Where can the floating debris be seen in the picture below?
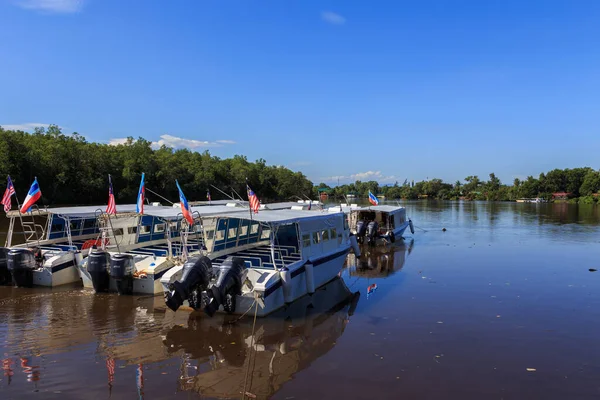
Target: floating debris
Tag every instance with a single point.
(592, 270)
(443, 229)
(250, 395)
(440, 322)
(531, 369)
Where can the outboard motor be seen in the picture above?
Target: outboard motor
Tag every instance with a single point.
(361, 230)
(194, 280)
(21, 264)
(98, 266)
(5, 278)
(228, 285)
(122, 268)
(372, 232)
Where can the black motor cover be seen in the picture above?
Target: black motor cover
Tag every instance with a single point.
(5, 277)
(121, 270)
(98, 266)
(196, 273)
(21, 263)
(228, 285)
(372, 232)
(361, 228)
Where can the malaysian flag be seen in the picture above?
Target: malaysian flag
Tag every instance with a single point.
(112, 206)
(8, 193)
(253, 200)
(110, 366)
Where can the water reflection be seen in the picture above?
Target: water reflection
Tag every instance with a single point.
(218, 355)
(381, 261)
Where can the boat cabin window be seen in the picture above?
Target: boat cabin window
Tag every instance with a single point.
(325, 235)
(254, 229)
(316, 238)
(333, 233)
(306, 240)
(74, 225)
(159, 228)
(56, 228)
(198, 228)
(346, 226)
(221, 235)
(173, 226)
(210, 234)
(132, 230)
(145, 229)
(118, 232)
(266, 233)
(232, 233)
(89, 223)
(243, 231)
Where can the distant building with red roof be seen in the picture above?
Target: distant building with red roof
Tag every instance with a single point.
(560, 195)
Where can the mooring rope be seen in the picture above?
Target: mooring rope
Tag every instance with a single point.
(251, 350)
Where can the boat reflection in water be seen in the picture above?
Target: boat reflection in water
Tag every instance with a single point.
(379, 262)
(218, 356)
(136, 343)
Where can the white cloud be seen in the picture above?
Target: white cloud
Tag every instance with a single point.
(177, 142)
(55, 6)
(118, 141)
(366, 176)
(332, 18)
(28, 126)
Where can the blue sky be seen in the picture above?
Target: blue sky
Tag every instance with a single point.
(352, 89)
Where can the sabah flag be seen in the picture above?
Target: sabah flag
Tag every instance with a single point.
(34, 195)
(373, 199)
(185, 207)
(141, 197)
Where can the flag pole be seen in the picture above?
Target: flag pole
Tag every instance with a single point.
(20, 216)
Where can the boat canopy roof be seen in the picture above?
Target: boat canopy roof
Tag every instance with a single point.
(308, 220)
(174, 213)
(282, 205)
(80, 212)
(383, 208)
(217, 203)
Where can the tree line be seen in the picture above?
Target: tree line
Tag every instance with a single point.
(71, 170)
(578, 184)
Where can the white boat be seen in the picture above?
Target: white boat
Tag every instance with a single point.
(378, 224)
(55, 240)
(150, 245)
(272, 258)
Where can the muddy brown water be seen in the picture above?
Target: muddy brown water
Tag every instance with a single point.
(500, 306)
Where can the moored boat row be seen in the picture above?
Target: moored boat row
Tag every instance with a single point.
(224, 258)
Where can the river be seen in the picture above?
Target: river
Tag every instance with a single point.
(501, 305)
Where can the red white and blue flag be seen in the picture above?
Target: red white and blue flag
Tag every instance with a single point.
(373, 199)
(185, 207)
(253, 200)
(208, 195)
(33, 195)
(112, 206)
(141, 197)
(8, 193)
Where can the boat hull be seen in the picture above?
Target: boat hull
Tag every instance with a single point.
(59, 270)
(324, 270)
